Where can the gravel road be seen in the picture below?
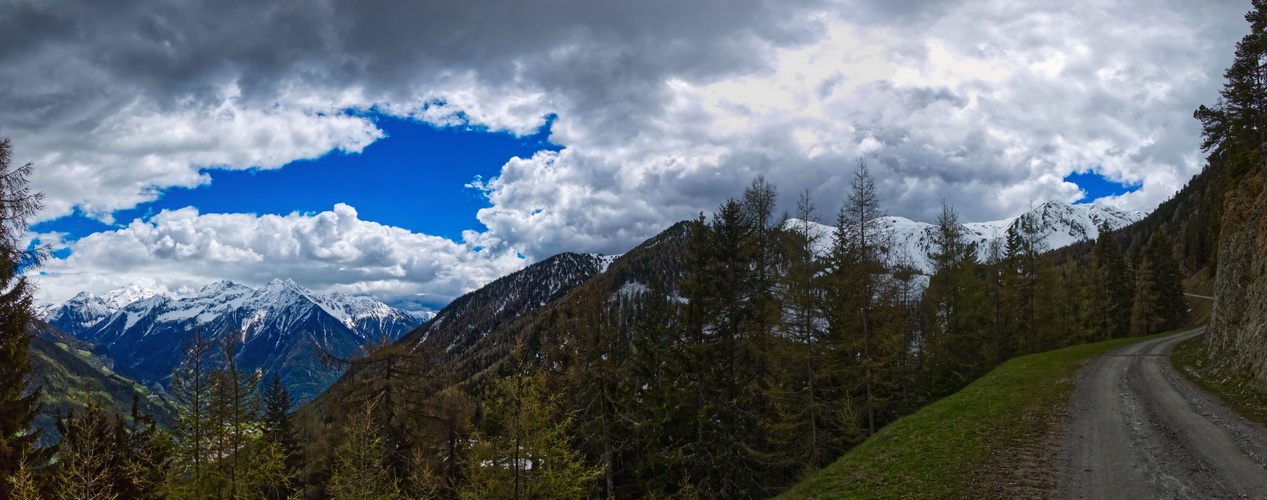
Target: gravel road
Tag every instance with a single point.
(1138, 429)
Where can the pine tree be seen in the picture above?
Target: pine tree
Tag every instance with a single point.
(278, 428)
(663, 394)
(18, 405)
(721, 329)
(1111, 292)
(590, 368)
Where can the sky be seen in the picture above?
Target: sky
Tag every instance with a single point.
(414, 151)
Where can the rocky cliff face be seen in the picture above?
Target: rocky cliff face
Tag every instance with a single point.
(1238, 327)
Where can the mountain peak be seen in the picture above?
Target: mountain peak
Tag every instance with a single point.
(283, 283)
(121, 297)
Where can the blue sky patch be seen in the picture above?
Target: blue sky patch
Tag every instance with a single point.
(1096, 186)
(414, 179)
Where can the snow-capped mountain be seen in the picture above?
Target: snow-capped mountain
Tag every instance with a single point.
(1061, 224)
(278, 328)
(85, 309)
(472, 316)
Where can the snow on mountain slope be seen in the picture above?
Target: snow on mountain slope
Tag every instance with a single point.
(466, 320)
(85, 309)
(1061, 224)
(278, 327)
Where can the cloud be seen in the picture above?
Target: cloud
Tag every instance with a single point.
(986, 104)
(663, 108)
(181, 250)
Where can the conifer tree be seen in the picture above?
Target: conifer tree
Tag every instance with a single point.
(663, 394)
(1072, 298)
(23, 484)
(146, 456)
(999, 296)
(18, 404)
(437, 465)
(88, 464)
(523, 451)
(360, 469)
(195, 433)
(236, 413)
(1158, 304)
(723, 356)
(1110, 294)
(803, 421)
(592, 378)
(1236, 128)
(954, 296)
(863, 269)
(278, 428)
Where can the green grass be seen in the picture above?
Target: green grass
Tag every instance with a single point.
(972, 444)
(1235, 389)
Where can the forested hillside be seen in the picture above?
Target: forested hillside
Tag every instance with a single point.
(726, 358)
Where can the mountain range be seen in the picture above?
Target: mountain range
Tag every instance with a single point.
(279, 328)
(1060, 224)
(282, 326)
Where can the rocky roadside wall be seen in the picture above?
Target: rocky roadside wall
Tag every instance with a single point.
(1238, 326)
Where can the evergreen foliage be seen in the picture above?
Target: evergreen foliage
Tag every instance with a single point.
(360, 471)
(1110, 291)
(1158, 304)
(728, 360)
(1235, 129)
(523, 450)
(18, 404)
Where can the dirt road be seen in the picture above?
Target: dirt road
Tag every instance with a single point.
(1138, 429)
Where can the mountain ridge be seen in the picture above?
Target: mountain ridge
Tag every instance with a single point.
(279, 328)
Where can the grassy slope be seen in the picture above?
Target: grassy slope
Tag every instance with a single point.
(70, 378)
(1237, 390)
(953, 448)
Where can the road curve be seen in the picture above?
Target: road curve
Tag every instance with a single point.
(1138, 429)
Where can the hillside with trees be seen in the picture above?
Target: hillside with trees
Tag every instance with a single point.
(728, 357)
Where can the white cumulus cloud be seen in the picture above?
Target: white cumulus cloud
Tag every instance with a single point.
(182, 250)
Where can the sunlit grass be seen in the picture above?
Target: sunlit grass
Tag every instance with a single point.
(945, 450)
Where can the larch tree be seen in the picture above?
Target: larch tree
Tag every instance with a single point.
(360, 470)
(236, 413)
(954, 296)
(865, 243)
(1236, 128)
(18, 404)
(195, 432)
(803, 421)
(523, 450)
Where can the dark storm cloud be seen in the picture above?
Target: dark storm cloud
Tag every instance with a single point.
(665, 108)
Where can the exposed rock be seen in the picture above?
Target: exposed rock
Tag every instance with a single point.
(1238, 326)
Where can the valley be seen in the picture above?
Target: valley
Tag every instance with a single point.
(639, 250)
